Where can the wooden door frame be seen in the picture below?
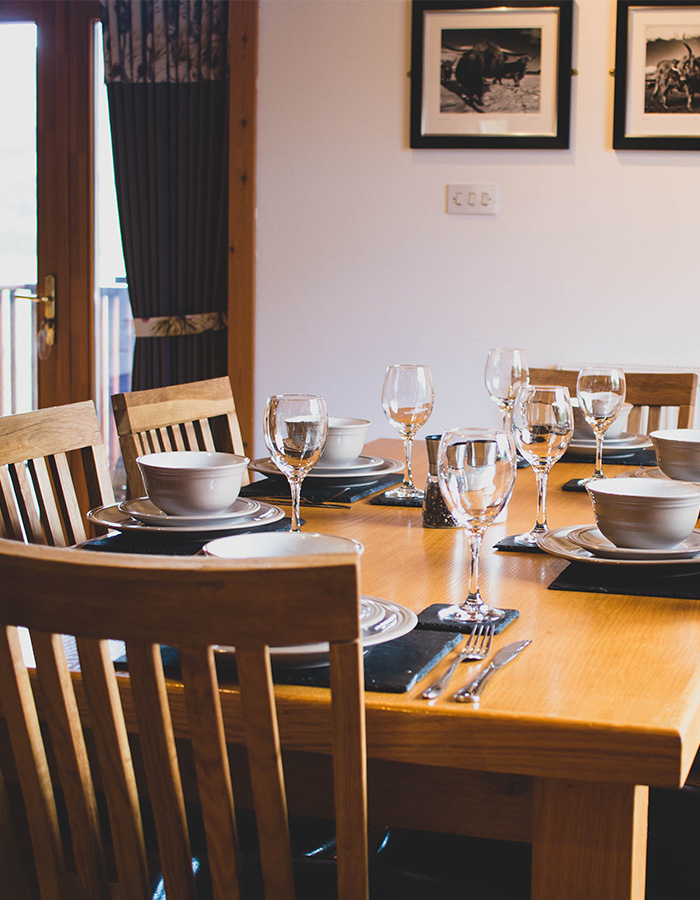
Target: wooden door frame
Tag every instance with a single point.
(243, 64)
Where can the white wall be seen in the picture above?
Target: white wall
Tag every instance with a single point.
(592, 257)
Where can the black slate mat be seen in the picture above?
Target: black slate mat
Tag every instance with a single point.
(393, 667)
(645, 457)
(509, 545)
(383, 500)
(681, 582)
(429, 619)
(170, 545)
(278, 489)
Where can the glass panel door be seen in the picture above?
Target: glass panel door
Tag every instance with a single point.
(18, 217)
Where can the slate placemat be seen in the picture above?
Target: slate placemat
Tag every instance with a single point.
(509, 545)
(393, 667)
(278, 489)
(383, 500)
(681, 582)
(645, 457)
(429, 619)
(171, 545)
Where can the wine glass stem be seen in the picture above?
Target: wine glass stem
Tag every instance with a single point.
(598, 455)
(295, 488)
(474, 550)
(507, 412)
(541, 479)
(408, 474)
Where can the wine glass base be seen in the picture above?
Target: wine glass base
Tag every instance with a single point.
(529, 539)
(402, 492)
(464, 616)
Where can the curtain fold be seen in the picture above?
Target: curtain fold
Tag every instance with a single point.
(165, 68)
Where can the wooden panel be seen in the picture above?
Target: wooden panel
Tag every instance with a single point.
(243, 63)
(589, 840)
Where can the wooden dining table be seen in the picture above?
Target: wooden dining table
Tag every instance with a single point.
(567, 738)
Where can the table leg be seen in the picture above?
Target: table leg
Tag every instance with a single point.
(588, 840)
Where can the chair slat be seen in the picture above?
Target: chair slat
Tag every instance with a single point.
(264, 760)
(160, 759)
(11, 519)
(70, 512)
(32, 767)
(213, 774)
(29, 512)
(72, 763)
(14, 877)
(114, 754)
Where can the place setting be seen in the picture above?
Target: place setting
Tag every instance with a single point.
(191, 495)
(644, 541)
(339, 474)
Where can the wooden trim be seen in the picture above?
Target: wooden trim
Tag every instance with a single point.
(243, 63)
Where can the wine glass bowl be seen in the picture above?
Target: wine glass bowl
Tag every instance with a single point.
(476, 472)
(295, 427)
(407, 400)
(600, 391)
(506, 371)
(542, 426)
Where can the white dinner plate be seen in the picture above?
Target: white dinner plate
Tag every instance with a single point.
(116, 518)
(144, 510)
(386, 467)
(306, 656)
(558, 543)
(590, 538)
(615, 448)
(357, 465)
(372, 611)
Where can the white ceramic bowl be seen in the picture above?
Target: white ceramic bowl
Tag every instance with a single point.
(280, 543)
(192, 482)
(346, 438)
(644, 513)
(678, 452)
(583, 431)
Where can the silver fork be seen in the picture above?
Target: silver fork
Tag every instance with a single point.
(477, 647)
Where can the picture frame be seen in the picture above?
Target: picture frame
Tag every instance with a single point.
(657, 75)
(488, 75)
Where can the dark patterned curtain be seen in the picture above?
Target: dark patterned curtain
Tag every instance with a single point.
(165, 68)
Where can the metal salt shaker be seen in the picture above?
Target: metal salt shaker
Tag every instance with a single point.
(435, 511)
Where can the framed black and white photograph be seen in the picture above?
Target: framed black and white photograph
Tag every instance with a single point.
(486, 75)
(657, 76)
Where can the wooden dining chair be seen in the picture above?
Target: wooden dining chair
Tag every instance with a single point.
(53, 468)
(650, 393)
(191, 604)
(200, 415)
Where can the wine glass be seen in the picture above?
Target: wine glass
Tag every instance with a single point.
(506, 370)
(407, 399)
(295, 426)
(476, 471)
(542, 426)
(601, 393)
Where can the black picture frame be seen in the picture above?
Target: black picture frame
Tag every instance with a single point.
(497, 103)
(651, 109)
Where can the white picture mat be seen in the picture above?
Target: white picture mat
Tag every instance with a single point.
(646, 24)
(544, 123)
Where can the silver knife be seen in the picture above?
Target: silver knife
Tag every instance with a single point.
(471, 691)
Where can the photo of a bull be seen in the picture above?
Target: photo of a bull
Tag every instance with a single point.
(486, 60)
(689, 68)
(680, 75)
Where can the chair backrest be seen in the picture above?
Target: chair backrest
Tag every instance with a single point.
(650, 393)
(49, 460)
(200, 415)
(189, 603)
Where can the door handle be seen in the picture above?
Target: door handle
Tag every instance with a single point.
(47, 330)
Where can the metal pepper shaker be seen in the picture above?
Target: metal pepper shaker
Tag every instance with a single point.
(435, 511)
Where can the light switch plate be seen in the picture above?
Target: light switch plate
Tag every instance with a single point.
(472, 199)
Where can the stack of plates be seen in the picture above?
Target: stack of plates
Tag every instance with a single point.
(624, 445)
(363, 470)
(585, 543)
(142, 516)
(374, 613)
